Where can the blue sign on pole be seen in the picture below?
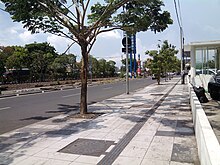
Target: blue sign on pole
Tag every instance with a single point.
(131, 59)
(134, 51)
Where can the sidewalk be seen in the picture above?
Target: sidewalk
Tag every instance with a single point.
(152, 126)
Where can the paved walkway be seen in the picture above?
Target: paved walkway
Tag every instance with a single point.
(152, 126)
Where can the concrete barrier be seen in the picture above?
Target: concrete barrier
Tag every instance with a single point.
(207, 143)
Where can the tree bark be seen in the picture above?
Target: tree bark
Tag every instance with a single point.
(83, 75)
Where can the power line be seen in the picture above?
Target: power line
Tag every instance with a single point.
(181, 22)
(177, 15)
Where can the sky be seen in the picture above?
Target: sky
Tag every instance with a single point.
(199, 20)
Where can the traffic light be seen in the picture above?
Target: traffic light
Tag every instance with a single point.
(124, 44)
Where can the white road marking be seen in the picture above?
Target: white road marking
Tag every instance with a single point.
(5, 108)
(71, 95)
(107, 88)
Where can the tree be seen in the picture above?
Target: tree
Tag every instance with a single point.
(17, 61)
(63, 65)
(162, 60)
(156, 64)
(5, 52)
(168, 52)
(110, 68)
(2, 67)
(40, 57)
(69, 19)
(94, 66)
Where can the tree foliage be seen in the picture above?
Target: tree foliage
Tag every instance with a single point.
(64, 66)
(162, 60)
(36, 56)
(102, 67)
(41, 56)
(72, 19)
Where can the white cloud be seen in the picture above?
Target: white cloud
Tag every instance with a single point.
(61, 44)
(26, 36)
(56, 40)
(111, 35)
(117, 57)
(211, 29)
(141, 49)
(13, 31)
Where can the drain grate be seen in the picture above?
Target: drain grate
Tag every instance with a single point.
(89, 147)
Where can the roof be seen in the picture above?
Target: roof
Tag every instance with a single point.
(214, 43)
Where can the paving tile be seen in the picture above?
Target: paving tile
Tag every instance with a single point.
(60, 144)
(143, 137)
(78, 163)
(90, 159)
(160, 150)
(188, 141)
(56, 162)
(139, 144)
(182, 153)
(133, 151)
(121, 131)
(13, 159)
(166, 128)
(28, 150)
(42, 143)
(123, 160)
(114, 137)
(33, 161)
(180, 163)
(165, 133)
(154, 162)
(163, 139)
(146, 132)
(54, 154)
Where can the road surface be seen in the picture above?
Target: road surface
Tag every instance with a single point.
(19, 111)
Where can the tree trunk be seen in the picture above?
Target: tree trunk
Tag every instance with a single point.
(83, 98)
(158, 77)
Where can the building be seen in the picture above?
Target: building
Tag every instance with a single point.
(204, 61)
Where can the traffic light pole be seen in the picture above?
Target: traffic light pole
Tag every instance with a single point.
(127, 78)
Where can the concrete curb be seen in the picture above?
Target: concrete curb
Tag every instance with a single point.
(12, 93)
(34, 90)
(208, 146)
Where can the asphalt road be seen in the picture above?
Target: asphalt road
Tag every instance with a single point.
(19, 111)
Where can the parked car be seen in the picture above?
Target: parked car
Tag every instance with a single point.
(214, 86)
(206, 71)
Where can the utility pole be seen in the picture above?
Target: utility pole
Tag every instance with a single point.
(182, 55)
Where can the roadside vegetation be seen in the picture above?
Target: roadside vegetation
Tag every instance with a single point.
(163, 62)
(39, 62)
